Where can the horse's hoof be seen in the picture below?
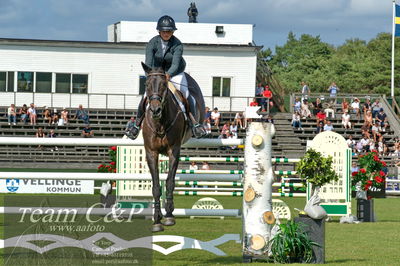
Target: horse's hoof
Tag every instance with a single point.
(169, 221)
(157, 228)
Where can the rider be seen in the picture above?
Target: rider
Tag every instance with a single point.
(165, 50)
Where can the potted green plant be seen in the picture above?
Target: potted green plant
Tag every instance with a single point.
(292, 244)
(315, 169)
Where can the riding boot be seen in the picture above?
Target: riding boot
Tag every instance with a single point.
(133, 132)
(197, 128)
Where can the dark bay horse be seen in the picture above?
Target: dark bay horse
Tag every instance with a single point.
(164, 131)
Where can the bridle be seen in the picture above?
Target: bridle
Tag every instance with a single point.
(157, 96)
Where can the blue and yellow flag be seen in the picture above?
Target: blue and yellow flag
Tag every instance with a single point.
(397, 21)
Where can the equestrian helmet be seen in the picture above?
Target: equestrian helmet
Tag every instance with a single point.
(166, 23)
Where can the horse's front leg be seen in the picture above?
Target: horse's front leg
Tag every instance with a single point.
(152, 162)
(170, 185)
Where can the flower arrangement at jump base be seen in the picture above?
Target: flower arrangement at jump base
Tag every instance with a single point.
(111, 166)
(371, 174)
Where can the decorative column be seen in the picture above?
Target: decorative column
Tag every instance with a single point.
(258, 218)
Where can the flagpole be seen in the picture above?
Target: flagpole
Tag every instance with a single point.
(393, 32)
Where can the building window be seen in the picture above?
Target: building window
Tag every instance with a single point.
(25, 82)
(142, 84)
(43, 82)
(79, 83)
(221, 86)
(63, 83)
(10, 81)
(3, 81)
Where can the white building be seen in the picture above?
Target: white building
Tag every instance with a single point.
(220, 57)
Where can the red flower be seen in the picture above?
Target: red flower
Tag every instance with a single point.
(376, 158)
(115, 170)
(369, 197)
(369, 182)
(354, 173)
(113, 148)
(362, 170)
(378, 179)
(381, 173)
(383, 163)
(100, 166)
(366, 186)
(375, 151)
(112, 163)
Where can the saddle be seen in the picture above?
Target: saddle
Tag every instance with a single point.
(180, 99)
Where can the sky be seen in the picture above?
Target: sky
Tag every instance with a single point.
(334, 21)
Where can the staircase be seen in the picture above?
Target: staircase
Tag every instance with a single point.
(286, 138)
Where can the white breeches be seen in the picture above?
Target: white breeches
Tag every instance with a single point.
(180, 83)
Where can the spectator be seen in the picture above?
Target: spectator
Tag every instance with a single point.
(382, 148)
(305, 91)
(365, 142)
(64, 117)
(130, 124)
(305, 111)
(32, 114)
(205, 166)
(215, 117)
(320, 127)
(259, 94)
(254, 102)
(46, 115)
(368, 120)
(328, 126)
(351, 143)
(333, 90)
(355, 106)
(366, 106)
(296, 121)
(345, 105)
(82, 114)
(207, 126)
(269, 119)
(354, 167)
(346, 120)
(54, 117)
(23, 112)
(207, 114)
(239, 119)
(329, 110)
(376, 107)
(233, 128)
(382, 118)
(52, 134)
(321, 117)
(225, 128)
(376, 131)
(193, 166)
(267, 94)
(12, 114)
(40, 134)
(87, 132)
(229, 135)
(317, 106)
(297, 105)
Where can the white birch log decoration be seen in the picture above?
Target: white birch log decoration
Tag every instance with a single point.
(258, 178)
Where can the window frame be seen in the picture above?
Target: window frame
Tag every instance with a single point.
(221, 86)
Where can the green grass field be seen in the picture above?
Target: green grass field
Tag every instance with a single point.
(346, 244)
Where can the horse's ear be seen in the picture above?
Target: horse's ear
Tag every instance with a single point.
(146, 68)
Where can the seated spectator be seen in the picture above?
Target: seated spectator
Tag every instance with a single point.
(365, 142)
(305, 111)
(382, 118)
(359, 147)
(382, 147)
(317, 105)
(82, 114)
(64, 117)
(207, 113)
(87, 132)
(296, 121)
(225, 128)
(269, 119)
(54, 117)
(207, 126)
(354, 167)
(355, 106)
(229, 135)
(328, 110)
(193, 166)
(351, 143)
(40, 134)
(254, 102)
(366, 106)
(130, 124)
(321, 117)
(346, 120)
(12, 114)
(205, 166)
(297, 105)
(52, 134)
(23, 112)
(345, 105)
(328, 126)
(32, 114)
(233, 128)
(239, 119)
(368, 120)
(372, 145)
(376, 131)
(376, 107)
(215, 117)
(320, 127)
(46, 115)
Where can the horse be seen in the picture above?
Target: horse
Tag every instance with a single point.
(164, 131)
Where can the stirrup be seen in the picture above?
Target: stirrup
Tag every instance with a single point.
(198, 131)
(133, 132)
